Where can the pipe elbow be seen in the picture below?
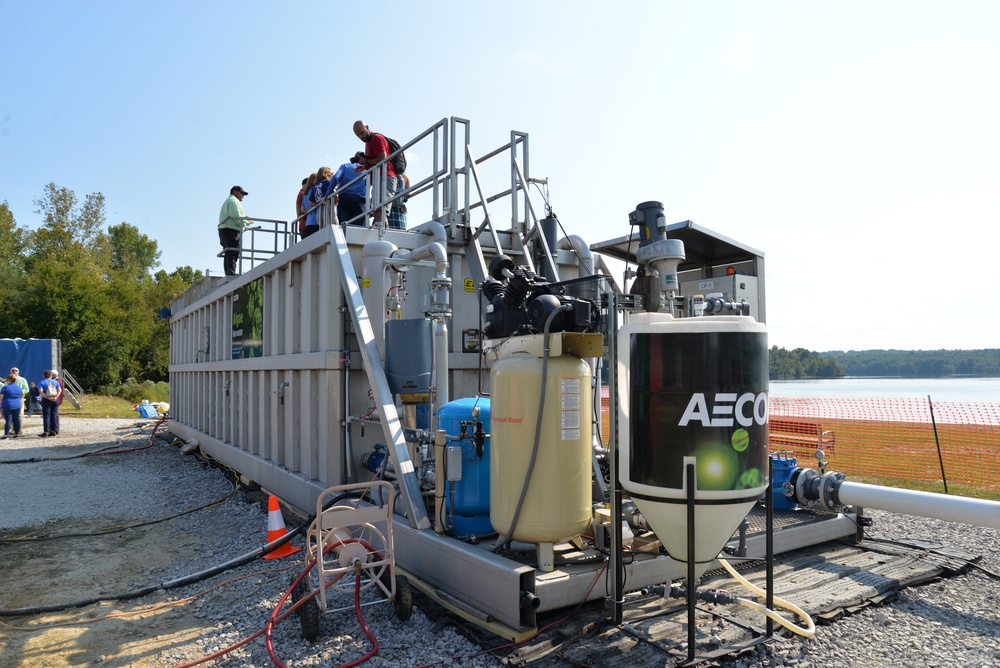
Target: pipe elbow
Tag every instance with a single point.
(575, 243)
(433, 228)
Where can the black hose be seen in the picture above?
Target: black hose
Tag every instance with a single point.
(187, 579)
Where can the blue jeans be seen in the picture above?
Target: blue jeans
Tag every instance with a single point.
(11, 416)
(50, 416)
(351, 206)
(34, 406)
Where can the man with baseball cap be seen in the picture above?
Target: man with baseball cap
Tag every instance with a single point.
(232, 222)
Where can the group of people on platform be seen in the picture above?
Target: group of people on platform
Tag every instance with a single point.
(46, 395)
(340, 187)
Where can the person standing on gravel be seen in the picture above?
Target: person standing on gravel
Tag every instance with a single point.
(51, 391)
(12, 401)
(22, 383)
(34, 400)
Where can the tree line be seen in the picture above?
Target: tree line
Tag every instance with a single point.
(92, 287)
(801, 363)
(918, 363)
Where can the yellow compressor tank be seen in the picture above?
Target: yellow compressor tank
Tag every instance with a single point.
(557, 501)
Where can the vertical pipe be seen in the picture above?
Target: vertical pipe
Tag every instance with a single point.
(440, 368)
(769, 542)
(689, 472)
(616, 486)
(440, 438)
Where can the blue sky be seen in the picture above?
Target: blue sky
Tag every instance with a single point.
(855, 143)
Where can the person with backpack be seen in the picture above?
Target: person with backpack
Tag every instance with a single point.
(376, 150)
(51, 390)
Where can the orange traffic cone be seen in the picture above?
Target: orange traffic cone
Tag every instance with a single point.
(276, 530)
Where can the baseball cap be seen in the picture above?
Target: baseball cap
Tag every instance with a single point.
(240, 188)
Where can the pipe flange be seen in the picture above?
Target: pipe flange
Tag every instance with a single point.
(800, 478)
(828, 486)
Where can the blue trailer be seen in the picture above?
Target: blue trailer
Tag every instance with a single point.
(31, 356)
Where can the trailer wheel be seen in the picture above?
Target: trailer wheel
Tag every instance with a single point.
(309, 611)
(403, 604)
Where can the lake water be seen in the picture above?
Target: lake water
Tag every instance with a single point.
(983, 390)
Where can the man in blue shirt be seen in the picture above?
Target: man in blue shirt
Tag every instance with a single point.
(51, 395)
(350, 199)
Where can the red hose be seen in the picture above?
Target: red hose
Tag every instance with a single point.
(273, 617)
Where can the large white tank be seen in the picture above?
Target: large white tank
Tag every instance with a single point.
(693, 390)
(557, 504)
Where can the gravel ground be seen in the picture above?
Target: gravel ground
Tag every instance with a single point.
(949, 623)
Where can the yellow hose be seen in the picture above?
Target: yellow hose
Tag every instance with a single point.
(810, 629)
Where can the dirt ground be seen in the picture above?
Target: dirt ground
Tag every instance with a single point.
(35, 574)
(46, 573)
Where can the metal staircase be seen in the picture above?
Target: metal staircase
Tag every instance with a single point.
(71, 388)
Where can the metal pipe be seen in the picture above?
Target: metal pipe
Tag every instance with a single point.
(440, 439)
(834, 492)
(433, 250)
(979, 512)
(575, 243)
(440, 368)
(434, 229)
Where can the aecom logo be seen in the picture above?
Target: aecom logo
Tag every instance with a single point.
(726, 407)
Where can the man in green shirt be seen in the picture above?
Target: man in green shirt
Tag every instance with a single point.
(232, 222)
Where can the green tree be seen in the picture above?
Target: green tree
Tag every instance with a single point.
(133, 254)
(68, 227)
(89, 287)
(13, 275)
(800, 363)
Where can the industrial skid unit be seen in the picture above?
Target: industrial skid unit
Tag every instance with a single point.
(464, 361)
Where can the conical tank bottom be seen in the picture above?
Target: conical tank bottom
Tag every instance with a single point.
(714, 525)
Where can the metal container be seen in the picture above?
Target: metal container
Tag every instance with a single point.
(693, 390)
(468, 500)
(557, 498)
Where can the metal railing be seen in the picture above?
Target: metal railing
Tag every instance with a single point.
(71, 388)
(455, 185)
(277, 231)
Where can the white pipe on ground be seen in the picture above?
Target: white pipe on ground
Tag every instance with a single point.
(979, 512)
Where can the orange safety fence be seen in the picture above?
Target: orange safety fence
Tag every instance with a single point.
(893, 441)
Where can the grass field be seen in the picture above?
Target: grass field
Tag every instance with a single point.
(97, 406)
(911, 455)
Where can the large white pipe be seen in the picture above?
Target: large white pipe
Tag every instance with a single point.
(979, 512)
(576, 243)
(373, 267)
(434, 229)
(434, 251)
(440, 367)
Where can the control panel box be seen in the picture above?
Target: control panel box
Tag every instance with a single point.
(734, 288)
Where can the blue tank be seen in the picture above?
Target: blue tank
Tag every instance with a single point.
(467, 501)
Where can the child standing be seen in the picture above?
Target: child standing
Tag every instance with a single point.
(35, 400)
